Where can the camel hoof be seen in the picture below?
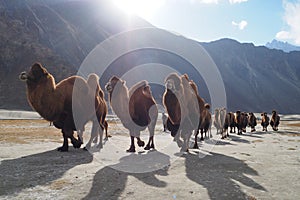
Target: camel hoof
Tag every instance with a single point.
(76, 144)
(195, 146)
(173, 134)
(85, 149)
(148, 147)
(202, 139)
(62, 149)
(141, 143)
(131, 150)
(99, 146)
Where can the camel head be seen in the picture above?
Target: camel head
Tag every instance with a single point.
(112, 83)
(207, 106)
(36, 75)
(274, 112)
(173, 82)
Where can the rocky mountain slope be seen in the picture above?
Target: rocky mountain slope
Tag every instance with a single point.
(284, 46)
(60, 34)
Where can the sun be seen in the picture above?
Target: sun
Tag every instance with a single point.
(142, 8)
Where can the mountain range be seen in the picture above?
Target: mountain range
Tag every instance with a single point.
(60, 34)
(284, 46)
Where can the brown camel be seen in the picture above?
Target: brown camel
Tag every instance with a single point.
(136, 109)
(245, 121)
(252, 121)
(222, 122)
(275, 120)
(264, 121)
(55, 102)
(172, 102)
(239, 118)
(226, 125)
(205, 116)
(181, 103)
(231, 122)
(93, 82)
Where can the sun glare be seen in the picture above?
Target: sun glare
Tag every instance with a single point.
(142, 8)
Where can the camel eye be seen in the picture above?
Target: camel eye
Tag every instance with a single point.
(108, 87)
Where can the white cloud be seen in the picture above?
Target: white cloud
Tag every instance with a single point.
(241, 25)
(292, 19)
(236, 1)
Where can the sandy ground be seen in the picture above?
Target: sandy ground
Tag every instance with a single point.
(251, 166)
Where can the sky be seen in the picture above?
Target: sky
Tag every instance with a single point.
(255, 21)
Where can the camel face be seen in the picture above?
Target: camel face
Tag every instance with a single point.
(111, 85)
(173, 83)
(170, 85)
(36, 74)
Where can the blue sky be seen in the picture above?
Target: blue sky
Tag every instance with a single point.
(256, 21)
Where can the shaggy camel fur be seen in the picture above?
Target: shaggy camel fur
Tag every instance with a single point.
(181, 104)
(264, 121)
(55, 102)
(136, 109)
(275, 120)
(252, 121)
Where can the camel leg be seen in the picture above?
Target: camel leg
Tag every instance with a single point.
(65, 146)
(132, 147)
(94, 133)
(80, 135)
(140, 142)
(201, 135)
(150, 144)
(68, 133)
(105, 124)
(100, 132)
(196, 142)
(151, 128)
(186, 139)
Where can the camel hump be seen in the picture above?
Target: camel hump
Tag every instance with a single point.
(93, 80)
(142, 84)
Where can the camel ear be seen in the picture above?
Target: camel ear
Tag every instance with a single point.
(123, 82)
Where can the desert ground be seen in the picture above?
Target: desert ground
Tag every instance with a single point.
(259, 165)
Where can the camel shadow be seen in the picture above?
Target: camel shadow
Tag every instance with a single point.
(110, 181)
(252, 135)
(219, 174)
(38, 169)
(238, 138)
